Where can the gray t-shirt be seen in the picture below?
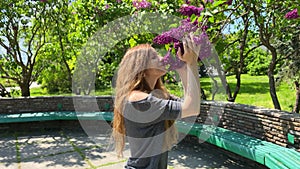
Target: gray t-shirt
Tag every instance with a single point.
(145, 127)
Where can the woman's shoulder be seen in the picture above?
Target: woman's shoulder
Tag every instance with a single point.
(137, 95)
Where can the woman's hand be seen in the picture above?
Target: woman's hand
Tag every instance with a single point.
(191, 50)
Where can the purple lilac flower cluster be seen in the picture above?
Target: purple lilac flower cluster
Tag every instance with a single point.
(190, 10)
(166, 37)
(205, 45)
(229, 2)
(139, 4)
(175, 63)
(176, 34)
(170, 62)
(292, 14)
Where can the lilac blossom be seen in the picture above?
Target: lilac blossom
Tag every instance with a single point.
(188, 20)
(139, 4)
(190, 10)
(229, 2)
(166, 37)
(204, 28)
(170, 62)
(292, 14)
(205, 45)
(176, 34)
(187, 26)
(119, 1)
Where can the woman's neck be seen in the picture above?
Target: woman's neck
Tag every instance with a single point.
(151, 82)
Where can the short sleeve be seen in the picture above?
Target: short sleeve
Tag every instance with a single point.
(172, 110)
(153, 110)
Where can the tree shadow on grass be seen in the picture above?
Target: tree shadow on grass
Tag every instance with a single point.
(253, 88)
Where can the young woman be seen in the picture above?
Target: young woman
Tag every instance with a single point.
(144, 112)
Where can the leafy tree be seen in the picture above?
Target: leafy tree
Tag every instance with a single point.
(288, 45)
(65, 41)
(23, 26)
(269, 21)
(233, 47)
(258, 62)
(119, 31)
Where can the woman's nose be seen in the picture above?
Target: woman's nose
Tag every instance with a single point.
(160, 58)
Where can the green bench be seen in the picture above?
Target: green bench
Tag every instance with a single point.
(49, 116)
(263, 152)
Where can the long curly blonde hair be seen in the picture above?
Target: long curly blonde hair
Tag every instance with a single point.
(130, 76)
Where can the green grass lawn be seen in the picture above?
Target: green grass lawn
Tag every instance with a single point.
(43, 92)
(254, 91)
(7, 83)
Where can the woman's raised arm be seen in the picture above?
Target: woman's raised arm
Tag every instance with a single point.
(190, 78)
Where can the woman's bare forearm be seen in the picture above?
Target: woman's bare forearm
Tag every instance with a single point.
(190, 80)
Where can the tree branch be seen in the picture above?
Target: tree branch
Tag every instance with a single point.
(237, 40)
(260, 25)
(6, 47)
(253, 49)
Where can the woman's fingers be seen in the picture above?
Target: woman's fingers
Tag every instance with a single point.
(192, 39)
(179, 54)
(188, 44)
(185, 44)
(191, 44)
(191, 49)
(195, 47)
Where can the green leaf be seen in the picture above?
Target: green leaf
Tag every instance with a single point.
(218, 3)
(132, 42)
(194, 18)
(174, 25)
(200, 18)
(211, 19)
(167, 46)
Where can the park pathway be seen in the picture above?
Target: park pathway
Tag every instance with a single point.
(53, 149)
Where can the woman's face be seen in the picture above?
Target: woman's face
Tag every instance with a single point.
(155, 66)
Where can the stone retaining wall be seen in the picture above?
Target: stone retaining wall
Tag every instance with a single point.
(275, 126)
(63, 103)
(279, 127)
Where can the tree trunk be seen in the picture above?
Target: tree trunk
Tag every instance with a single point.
(297, 103)
(222, 78)
(24, 83)
(272, 80)
(25, 90)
